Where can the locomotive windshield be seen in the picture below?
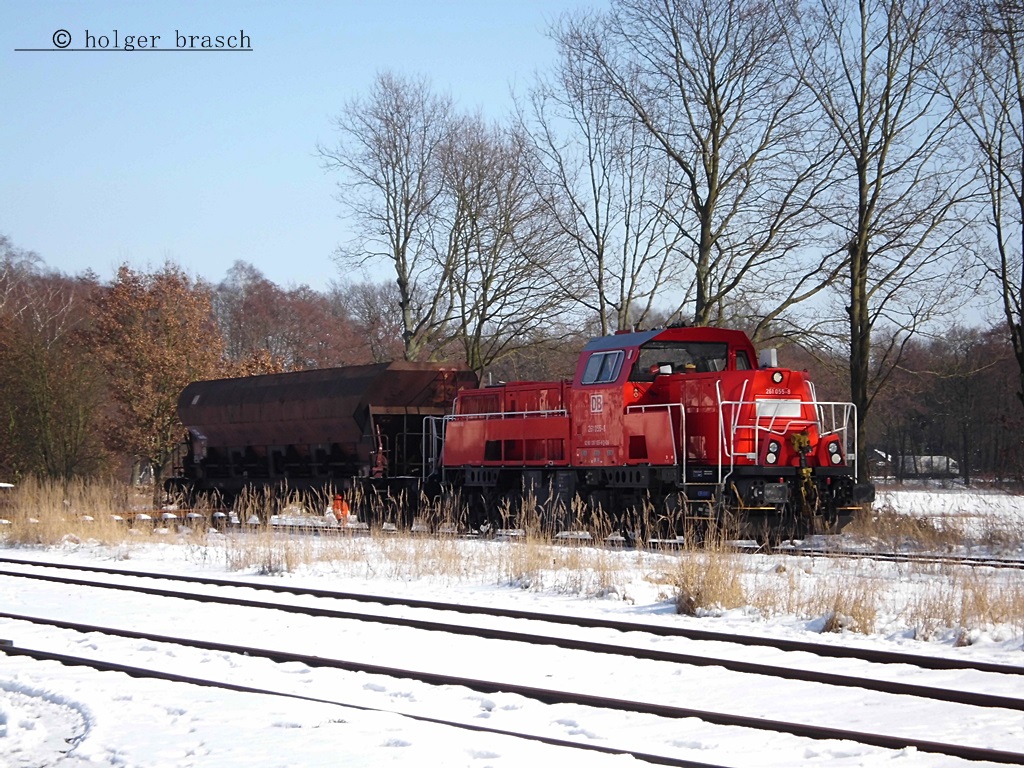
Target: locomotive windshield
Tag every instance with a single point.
(603, 367)
(660, 357)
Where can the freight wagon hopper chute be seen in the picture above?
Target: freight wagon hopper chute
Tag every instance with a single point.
(312, 429)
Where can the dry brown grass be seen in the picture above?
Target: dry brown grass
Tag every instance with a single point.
(44, 512)
(846, 608)
(966, 601)
(529, 561)
(710, 579)
(849, 602)
(928, 601)
(892, 531)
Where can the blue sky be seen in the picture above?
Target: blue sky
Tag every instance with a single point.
(207, 158)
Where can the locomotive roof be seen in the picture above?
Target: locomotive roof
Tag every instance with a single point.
(690, 333)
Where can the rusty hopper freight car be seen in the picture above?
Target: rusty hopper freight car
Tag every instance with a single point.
(314, 429)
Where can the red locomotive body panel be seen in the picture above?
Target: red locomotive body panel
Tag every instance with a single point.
(649, 398)
(523, 423)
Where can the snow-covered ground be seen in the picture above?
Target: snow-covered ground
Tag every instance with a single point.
(73, 717)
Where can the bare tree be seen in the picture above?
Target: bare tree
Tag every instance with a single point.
(388, 153)
(990, 37)
(873, 68)
(375, 312)
(53, 388)
(248, 307)
(505, 249)
(611, 193)
(16, 265)
(712, 85)
(268, 329)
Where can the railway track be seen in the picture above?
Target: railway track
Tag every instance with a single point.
(145, 672)
(546, 695)
(619, 625)
(893, 557)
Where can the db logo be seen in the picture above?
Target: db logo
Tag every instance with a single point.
(596, 403)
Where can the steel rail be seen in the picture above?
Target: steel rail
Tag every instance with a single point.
(817, 649)
(141, 672)
(895, 557)
(970, 698)
(554, 696)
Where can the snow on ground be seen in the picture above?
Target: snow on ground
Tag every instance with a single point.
(975, 513)
(73, 717)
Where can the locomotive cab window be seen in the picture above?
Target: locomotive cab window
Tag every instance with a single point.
(742, 361)
(658, 358)
(603, 367)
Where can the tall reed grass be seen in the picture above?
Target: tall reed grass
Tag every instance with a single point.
(44, 512)
(925, 601)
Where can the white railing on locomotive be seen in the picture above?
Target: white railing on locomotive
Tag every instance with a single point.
(678, 440)
(840, 419)
(831, 418)
(782, 420)
(829, 423)
(505, 415)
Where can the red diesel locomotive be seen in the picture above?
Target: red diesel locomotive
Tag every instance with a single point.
(684, 422)
(665, 431)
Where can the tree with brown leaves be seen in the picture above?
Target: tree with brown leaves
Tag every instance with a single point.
(154, 334)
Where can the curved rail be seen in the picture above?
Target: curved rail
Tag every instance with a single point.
(545, 695)
(140, 672)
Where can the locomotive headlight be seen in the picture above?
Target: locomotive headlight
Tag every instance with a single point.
(771, 458)
(834, 452)
(773, 446)
(777, 377)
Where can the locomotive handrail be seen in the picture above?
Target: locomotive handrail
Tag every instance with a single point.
(432, 446)
(831, 418)
(506, 414)
(727, 441)
(848, 429)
